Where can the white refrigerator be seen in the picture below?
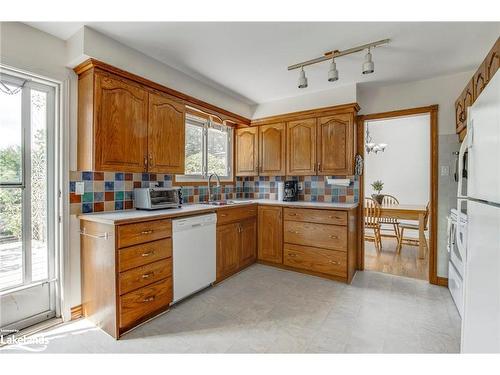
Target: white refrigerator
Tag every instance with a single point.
(481, 238)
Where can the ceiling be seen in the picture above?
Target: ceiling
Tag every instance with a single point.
(249, 60)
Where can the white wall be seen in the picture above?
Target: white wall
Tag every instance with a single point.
(404, 166)
(325, 98)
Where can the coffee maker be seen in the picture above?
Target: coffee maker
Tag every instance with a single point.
(291, 191)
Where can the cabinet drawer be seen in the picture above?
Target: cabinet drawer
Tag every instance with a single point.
(330, 262)
(235, 214)
(316, 216)
(139, 255)
(142, 302)
(141, 276)
(318, 235)
(132, 234)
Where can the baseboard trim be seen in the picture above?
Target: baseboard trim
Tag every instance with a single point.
(76, 312)
(442, 281)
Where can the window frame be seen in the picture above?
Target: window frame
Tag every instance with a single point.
(206, 124)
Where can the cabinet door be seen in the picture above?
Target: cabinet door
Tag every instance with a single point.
(301, 148)
(248, 242)
(247, 152)
(228, 246)
(492, 63)
(166, 134)
(270, 234)
(272, 150)
(120, 125)
(459, 114)
(336, 145)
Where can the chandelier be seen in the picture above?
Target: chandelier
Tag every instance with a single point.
(371, 146)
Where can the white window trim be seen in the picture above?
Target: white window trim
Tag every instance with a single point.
(206, 124)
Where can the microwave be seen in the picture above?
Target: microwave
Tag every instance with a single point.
(157, 198)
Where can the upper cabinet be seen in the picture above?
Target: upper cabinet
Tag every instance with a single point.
(272, 151)
(120, 125)
(301, 147)
(123, 126)
(247, 151)
(314, 142)
(335, 149)
(475, 86)
(165, 135)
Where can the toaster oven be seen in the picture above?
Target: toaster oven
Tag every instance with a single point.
(157, 198)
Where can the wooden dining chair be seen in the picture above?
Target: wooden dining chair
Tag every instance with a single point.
(411, 226)
(390, 200)
(372, 217)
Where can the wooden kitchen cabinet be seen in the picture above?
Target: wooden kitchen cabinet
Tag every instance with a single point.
(126, 272)
(479, 81)
(119, 120)
(272, 152)
(301, 147)
(228, 249)
(270, 238)
(125, 126)
(248, 242)
(166, 134)
(335, 150)
(236, 239)
(247, 151)
(492, 62)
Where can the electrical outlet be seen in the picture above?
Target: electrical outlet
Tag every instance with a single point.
(445, 170)
(79, 188)
(300, 185)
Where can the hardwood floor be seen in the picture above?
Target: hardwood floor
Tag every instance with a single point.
(388, 261)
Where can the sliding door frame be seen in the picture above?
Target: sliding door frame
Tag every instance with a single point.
(432, 110)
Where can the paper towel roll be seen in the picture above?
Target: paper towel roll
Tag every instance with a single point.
(281, 191)
(339, 181)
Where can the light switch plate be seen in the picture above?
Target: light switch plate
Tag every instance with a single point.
(445, 170)
(79, 187)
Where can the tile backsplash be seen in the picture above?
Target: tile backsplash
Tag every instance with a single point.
(110, 191)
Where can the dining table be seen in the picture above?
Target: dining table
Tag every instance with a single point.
(409, 212)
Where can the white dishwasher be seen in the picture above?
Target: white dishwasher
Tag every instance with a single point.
(194, 254)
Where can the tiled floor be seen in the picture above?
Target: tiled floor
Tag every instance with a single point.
(265, 309)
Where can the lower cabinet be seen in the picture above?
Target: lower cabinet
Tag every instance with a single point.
(128, 279)
(270, 234)
(236, 240)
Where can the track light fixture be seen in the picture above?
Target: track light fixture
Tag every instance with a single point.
(302, 79)
(368, 65)
(333, 74)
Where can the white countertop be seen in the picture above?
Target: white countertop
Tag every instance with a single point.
(117, 217)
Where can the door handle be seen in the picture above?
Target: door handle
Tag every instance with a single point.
(149, 299)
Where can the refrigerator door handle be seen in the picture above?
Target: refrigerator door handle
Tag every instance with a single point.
(463, 149)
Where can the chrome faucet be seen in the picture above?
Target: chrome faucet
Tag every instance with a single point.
(218, 185)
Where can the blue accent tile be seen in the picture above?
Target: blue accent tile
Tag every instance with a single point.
(72, 186)
(118, 205)
(98, 196)
(167, 177)
(87, 176)
(145, 177)
(87, 208)
(119, 176)
(313, 198)
(109, 185)
(307, 184)
(88, 197)
(119, 185)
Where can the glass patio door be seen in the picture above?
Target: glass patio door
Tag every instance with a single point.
(27, 213)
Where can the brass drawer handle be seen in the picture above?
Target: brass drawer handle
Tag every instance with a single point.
(150, 252)
(147, 231)
(292, 255)
(333, 262)
(223, 215)
(293, 231)
(333, 237)
(149, 299)
(334, 217)
(148, 275)
(292, 214)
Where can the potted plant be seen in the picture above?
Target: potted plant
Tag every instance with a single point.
(378, 186)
